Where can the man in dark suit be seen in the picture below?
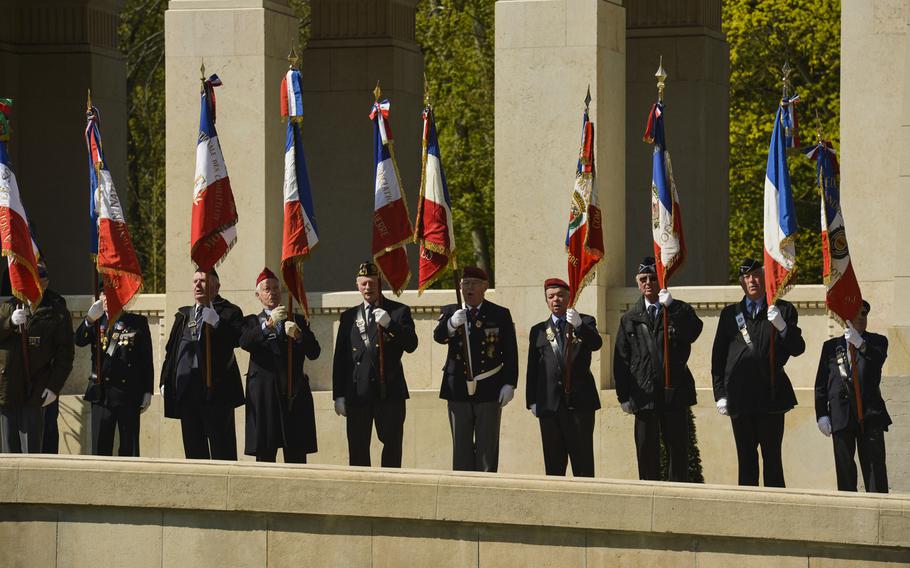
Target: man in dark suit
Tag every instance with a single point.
(660, 404)
(746, 388)
(475, 400)
(563, 402)
(368, 382)
(274, 419)
(847, 363)
(123, 389)
(205, 407)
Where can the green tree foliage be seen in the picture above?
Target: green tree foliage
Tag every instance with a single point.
(141, 38)
(457, 41)
(763, 34)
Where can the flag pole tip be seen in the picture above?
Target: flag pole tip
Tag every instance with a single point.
(88, 101)
(377, 92)
(202, 69)
(661, 76)
(588, 97)
(293, 58)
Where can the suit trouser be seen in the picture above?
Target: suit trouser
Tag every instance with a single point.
(23, 429)
(568, 434)
(765, 430)
(208, 432)
(123, 418)
(388, 415)
(270, 455)
(871, 445)
(475, 435)
(51, 443)
(673, 426)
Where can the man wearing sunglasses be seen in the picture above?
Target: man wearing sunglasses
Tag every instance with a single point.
(747, 388)
(659, 402)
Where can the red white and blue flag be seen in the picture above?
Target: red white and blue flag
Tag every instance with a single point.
(18, 244)
(300, 232)
(111, 247)
(666, 218)
(584, 236)
(780, 216)
(392, 227)
(435, 225)
(843, 296)
(214, 219)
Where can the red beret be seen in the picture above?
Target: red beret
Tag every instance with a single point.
(555, 283)
(474, 272)
(265, 275)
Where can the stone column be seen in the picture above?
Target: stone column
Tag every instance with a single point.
(547, 53)
(354, 44)
(687, 33)
(246, 43)
(51, 53)
(874, 165)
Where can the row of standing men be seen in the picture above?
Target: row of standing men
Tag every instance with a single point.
(201, 386)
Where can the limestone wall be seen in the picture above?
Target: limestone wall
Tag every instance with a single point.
(88, 511)
(808, 458)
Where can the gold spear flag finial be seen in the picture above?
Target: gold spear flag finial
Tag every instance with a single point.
(786, 70)
(202, 70)
(377, 92)
(293, 58)
(88, 102)
(426, 91)
(661, 76)
(588, 98)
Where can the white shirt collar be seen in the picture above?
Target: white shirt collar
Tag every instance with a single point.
(467, 307)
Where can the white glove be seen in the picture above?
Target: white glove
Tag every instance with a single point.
(210, 316)
(824, 425)
(382, 317)
(534, 409)
(146, 401)
(626, 407)
(573, 318)
(161, 390)
(292, 330)
(665, 298)
(95, 311)
(20, 316)
(722, 406)
(776, 319)
(505, 395)
(853, 337)
(340, 410)
(278, 315)
(458, 319)
(48, 396)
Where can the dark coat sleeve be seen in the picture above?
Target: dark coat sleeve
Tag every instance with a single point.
(441, 332)
(588, 333)
(792, 340)
(341, 365)
(821, 382)
(145, 358)
(622, 373)
(509, 351)
(719, 354)
(401, 330)
(170, 355)
(64, 351)
(685, 321)
(532, 370)
(85, 334)
(311, 347)
(252, 337)
(877, 351)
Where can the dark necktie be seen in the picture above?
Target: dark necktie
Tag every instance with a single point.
(652, 309)
(198, 317)
(561, 334)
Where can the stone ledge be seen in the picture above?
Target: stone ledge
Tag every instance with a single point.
(818, 517)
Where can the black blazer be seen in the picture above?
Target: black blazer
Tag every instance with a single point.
(128, 372)
(742, 373)
(545, 369)
(227, 389)
(638, 356)
(492, 343)
(355, 370)
(834, 396)
(269, 424)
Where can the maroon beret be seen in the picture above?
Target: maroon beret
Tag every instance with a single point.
(266, 274)
(555, 283)
(474, 272)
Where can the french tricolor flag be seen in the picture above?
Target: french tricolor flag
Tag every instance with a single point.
(300, 232)
(435, 226)
(111, 245)
(780, 217)
(392, 227)
(18, 246)
(214, 220)
(666, 217)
